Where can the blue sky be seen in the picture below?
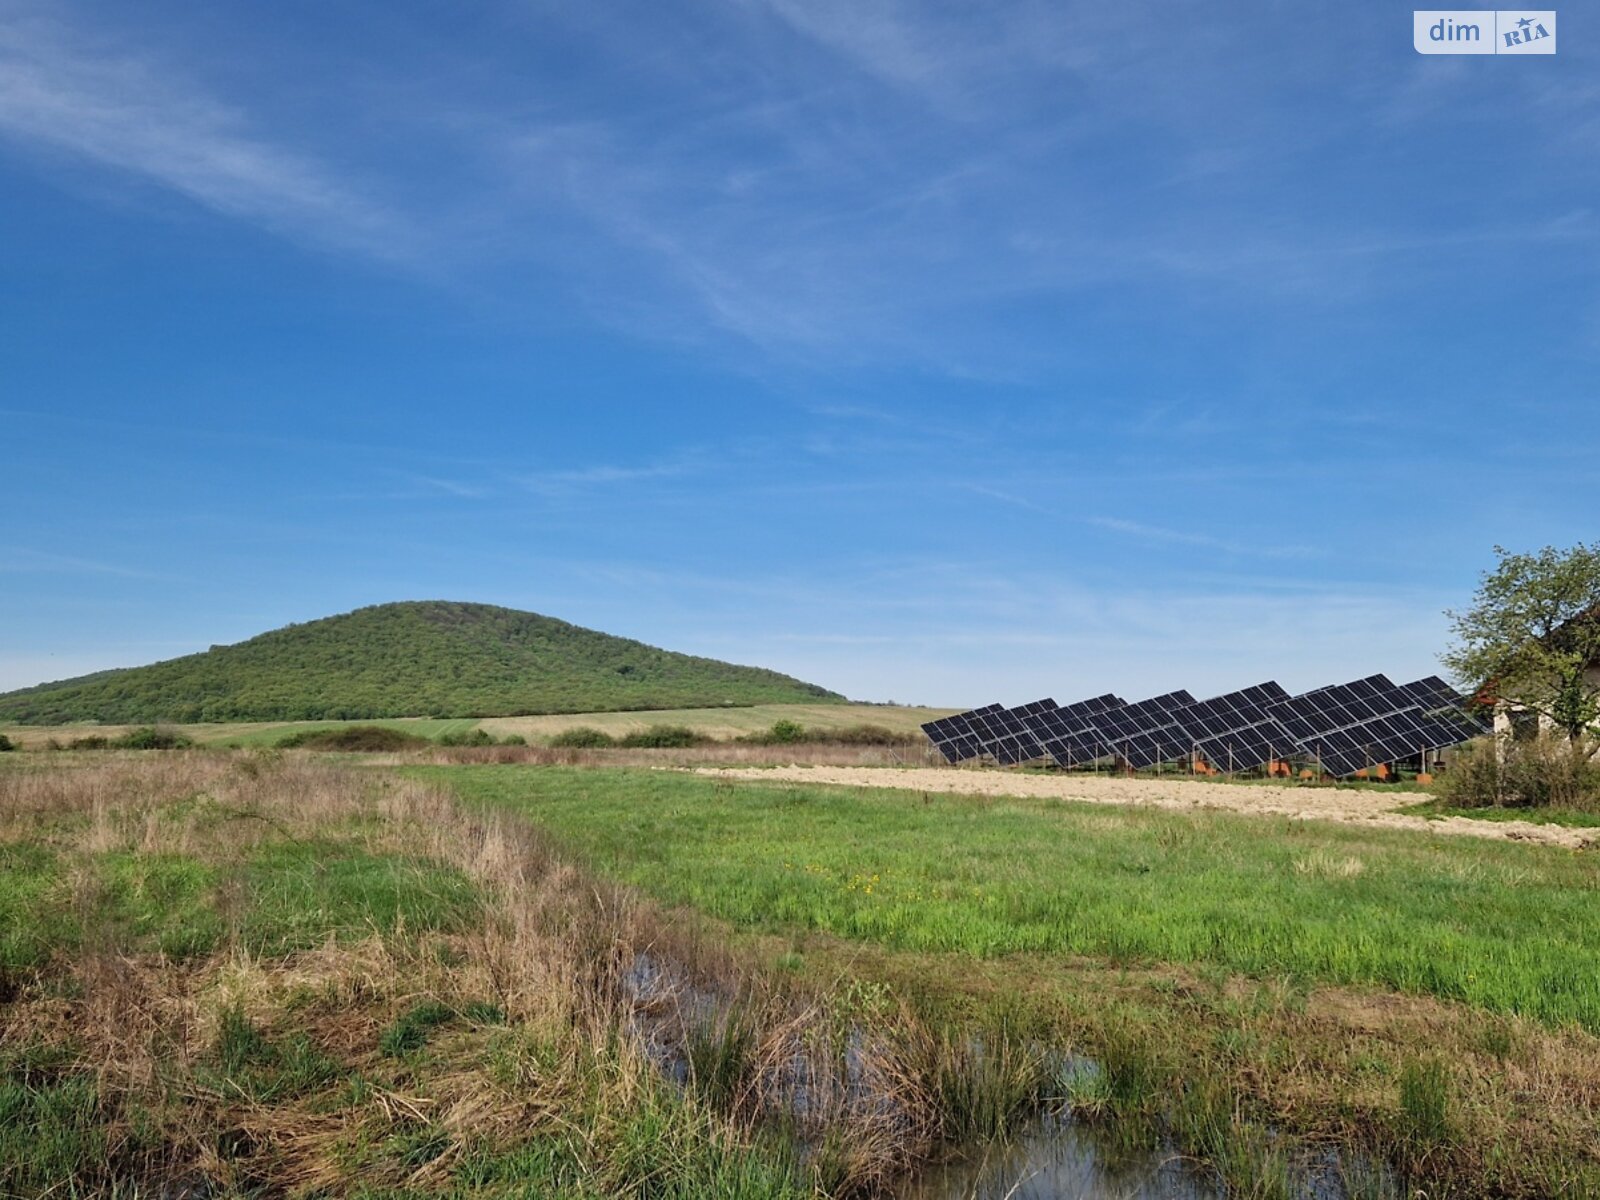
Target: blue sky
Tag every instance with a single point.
(933, 352)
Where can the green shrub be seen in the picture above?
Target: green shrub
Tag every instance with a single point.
(6, 744)
(664, 737)
(583, 737)
(472, 737)
(781, 733)
(1545, 771)
(151, 738)
(513, 739)
(147, 738)
(352, 739)
(788, 733)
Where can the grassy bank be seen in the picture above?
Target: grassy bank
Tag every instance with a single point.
(219, 977)
(1430, 1001)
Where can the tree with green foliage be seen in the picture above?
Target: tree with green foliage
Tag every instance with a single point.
(1532, 634)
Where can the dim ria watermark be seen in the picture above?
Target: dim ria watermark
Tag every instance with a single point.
(1484, 31)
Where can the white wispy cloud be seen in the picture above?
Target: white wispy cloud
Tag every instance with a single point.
(1204, 541)
(20, 560)
(602, 475)
(452, 487)
(112, 107)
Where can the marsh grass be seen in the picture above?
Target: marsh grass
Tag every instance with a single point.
(984, 1087)
(272, 973)
(1121, 934)
(335, 1033)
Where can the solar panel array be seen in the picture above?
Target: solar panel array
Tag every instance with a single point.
(1343, 728)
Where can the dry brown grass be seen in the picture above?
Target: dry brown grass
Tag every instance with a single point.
(721, 754)
(556, 951)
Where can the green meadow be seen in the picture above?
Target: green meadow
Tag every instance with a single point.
(1499, 926)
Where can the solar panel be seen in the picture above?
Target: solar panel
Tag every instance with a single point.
(1352, 726)
(1164, 703)
(1140, 734)
(1345, 727)
(1247, 748)
(1067, 735)
(1231, 731)
(1444, 704)
(960, 737)
(1146, 749)
(1013, 735)
(1337, 706)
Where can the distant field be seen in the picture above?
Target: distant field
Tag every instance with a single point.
(262, 733)
(714, 722)
(722, 722)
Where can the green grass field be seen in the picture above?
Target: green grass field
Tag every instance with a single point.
(718, 723)
(1499, 926)
(1573, 818)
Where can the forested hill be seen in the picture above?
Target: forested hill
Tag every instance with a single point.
(420, 658)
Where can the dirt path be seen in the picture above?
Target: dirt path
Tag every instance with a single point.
(1304, 803)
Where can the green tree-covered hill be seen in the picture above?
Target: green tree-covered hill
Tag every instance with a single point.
(421, 658)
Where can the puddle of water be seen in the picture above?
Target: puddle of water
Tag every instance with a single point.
(1051, 1158)
(1057, 1160)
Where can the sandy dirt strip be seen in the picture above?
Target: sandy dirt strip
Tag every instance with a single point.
(1304, 803)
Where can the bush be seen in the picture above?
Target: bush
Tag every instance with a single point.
(513, 739)
(6, 744)
(782, 733)
(473, 737)
(664, 737)
(150, 738)
(352, 739)
(583, 737)
(1546, 771)
(147, 738)
(788, 733)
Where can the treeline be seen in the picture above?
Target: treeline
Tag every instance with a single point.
(419, 659)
